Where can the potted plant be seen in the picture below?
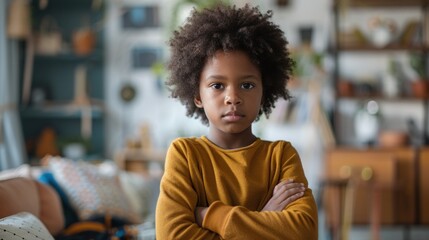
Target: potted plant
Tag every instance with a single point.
(420, 85)
(183, 6)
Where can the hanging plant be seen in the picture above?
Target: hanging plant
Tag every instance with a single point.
(198, 4)
(420, 86)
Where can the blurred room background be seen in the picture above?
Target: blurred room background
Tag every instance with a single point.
(84, 79)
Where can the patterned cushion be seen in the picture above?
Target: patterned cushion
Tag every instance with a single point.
(21, 226)
(91, 193)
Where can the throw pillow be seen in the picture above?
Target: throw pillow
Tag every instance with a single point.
(91, 193)
(137, 187)
(21, 226)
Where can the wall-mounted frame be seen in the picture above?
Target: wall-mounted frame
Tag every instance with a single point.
(145, 57)
(139, 17)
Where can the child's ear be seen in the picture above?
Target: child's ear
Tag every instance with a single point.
(198, 102)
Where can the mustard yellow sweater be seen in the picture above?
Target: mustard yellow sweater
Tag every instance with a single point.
(235, 184)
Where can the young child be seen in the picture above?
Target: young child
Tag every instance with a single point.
(228, 66)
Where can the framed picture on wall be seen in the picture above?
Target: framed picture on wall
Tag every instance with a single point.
(139, 17)
(145, 57)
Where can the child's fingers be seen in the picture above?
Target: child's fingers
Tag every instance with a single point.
(283, 183)
(288, 185)
(284, 193)
(292, 198)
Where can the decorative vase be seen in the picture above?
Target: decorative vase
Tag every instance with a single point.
(381, 36)
(83, 41)
(390, 85)
(345, 88)
(366, 123)
(420, 88)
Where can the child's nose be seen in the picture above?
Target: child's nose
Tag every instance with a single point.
(232, 97)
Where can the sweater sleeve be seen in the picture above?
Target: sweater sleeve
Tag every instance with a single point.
(175, 218)
(297, 221)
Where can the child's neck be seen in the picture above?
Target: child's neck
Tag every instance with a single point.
(231, 140)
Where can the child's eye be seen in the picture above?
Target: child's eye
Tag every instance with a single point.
(216, 86)
(247, 85)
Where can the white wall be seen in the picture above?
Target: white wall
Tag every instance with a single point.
(167, 117)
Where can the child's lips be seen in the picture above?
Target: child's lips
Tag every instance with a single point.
(233, 116)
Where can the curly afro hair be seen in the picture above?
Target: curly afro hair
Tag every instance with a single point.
(228, 28)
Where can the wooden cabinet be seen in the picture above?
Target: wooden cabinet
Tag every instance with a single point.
(395, 194)
(424, 186)
(345, 169)
(373, 187)
(391, 178)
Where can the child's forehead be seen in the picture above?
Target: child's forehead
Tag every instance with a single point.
(229, 55)
(235, 63)
(220, 53)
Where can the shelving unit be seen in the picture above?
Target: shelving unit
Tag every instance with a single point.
(339, 48)
(348, 158)
(54, 75)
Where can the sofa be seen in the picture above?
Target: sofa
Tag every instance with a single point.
(21, 194)
(81, 200)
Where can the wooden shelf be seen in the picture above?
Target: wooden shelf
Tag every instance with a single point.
(376, 50)
(382, 98)
(138, 160)
(94, 56)
(60, 111)
(383, 3)
(370, 48)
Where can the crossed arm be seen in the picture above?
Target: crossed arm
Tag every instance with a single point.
(180, 219)
(284, 193)
(290, 213)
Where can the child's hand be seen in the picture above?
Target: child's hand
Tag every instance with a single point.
(284, 193)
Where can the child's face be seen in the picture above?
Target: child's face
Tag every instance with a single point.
(230, 91)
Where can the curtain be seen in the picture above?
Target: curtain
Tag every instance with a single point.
(12, 151)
